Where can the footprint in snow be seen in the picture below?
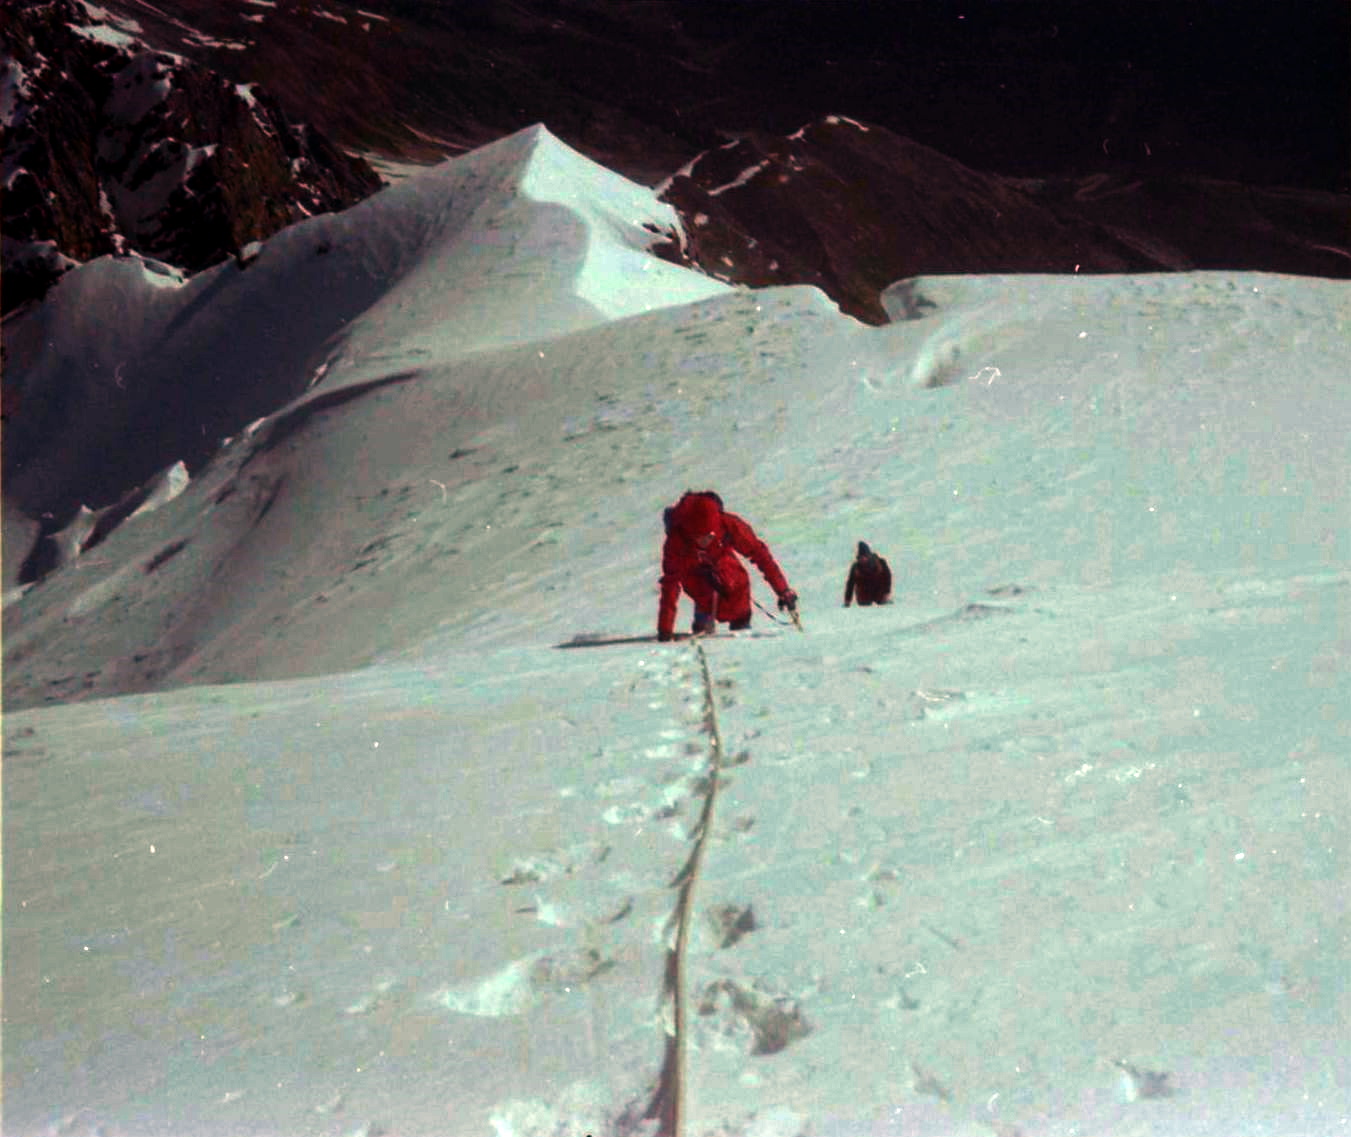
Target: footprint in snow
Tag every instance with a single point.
(522, 983)
(749, 1016)
(558, 863)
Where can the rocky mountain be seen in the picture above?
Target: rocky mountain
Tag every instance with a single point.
(1036, 88)
(113, 145)
(1045, 139)
(852, 208)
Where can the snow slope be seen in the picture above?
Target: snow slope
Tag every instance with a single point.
(521, 241)
(1054, 844)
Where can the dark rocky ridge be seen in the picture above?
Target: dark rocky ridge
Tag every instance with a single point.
(112, 146)
(852, 208)
(1112, 138)
(1032, 88)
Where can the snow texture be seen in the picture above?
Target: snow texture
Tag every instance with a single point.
(1054, 844)
(15, 90)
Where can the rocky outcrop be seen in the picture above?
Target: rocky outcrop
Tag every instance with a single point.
(132, 127)
(852, 208)
(111, 146)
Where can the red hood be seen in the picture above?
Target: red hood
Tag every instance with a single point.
(697, 515)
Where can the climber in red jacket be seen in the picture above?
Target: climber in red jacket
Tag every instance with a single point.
(700, 556)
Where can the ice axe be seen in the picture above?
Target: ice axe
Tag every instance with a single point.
(792, 613)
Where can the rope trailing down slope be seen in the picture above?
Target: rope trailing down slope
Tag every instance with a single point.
(667, 1106)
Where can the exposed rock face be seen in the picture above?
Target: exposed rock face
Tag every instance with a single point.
(852, 208)
(113, 147)
(130, 127)
(1201, 223)
(1243, 93)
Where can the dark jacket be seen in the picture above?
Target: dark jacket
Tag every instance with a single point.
(869, 579)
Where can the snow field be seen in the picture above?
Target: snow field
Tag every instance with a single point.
(320, 835)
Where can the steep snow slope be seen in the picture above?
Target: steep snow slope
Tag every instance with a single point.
(520, 241)
(1061, 428)
(1054, 844)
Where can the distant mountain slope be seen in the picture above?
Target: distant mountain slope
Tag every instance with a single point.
(1253, 94)
(113, 146)
(1105, 142)
(851, 208)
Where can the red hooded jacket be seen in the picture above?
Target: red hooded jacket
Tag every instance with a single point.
(712, 574)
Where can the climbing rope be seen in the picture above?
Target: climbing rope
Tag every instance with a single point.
(667, 1106)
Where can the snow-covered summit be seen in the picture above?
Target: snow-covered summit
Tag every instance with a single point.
(522, 241)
